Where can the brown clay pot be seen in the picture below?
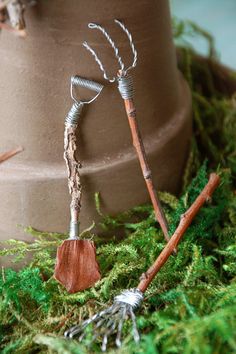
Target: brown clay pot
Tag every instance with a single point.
(34, 100)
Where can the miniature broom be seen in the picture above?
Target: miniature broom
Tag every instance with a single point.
(76, 265)
(126, 89)
(111, 320)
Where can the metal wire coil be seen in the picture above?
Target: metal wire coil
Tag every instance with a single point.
(126, 86)
(74, 231)
(74, 113)
(133, 297)
(85, 83)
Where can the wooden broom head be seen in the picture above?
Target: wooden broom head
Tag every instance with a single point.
(76, 267)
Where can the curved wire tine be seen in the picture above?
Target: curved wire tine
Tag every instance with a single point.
(120, 327)
(109, 330)
(110, 41)
(73, 331)
(135, 329)
(94, 54)
(104, 343)
(116, 50)
(134, 51)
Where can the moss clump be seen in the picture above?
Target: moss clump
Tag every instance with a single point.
(191, 305)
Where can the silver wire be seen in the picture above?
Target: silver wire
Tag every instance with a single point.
(74, 230)
(132, 297)
(74, 113)
(106, 77)
(111, 320)
(122, 70)
(110, 41)
(85, 83)
(134, 51)
(126, 86)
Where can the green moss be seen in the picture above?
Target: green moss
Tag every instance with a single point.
(191, 305)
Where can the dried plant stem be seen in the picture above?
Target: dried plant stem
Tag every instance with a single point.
(73, 166)
(186, 220)
(138, 144)
(7, 155)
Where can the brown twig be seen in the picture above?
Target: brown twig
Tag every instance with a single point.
(7, 155)
(138, 144)
(186, 220)
(74, 184)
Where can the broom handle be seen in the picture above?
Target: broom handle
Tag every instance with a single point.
(138, 145)
(185, 221)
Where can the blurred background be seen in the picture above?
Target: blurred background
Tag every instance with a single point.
(218, 17)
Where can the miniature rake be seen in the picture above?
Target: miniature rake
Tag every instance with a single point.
(126, 89)
(110, 321)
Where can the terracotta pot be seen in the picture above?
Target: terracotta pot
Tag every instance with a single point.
(35, 98)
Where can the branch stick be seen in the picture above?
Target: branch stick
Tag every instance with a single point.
(138, 144)
(73, 166)
(185, 221)
(7, 155)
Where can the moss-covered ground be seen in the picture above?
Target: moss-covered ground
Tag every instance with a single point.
(191, 305)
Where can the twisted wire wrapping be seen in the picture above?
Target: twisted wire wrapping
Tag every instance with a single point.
(126, 86)
(132, 297)
(85, 83)
(111, 320)
(74, 114)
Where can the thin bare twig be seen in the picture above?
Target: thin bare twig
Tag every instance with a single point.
(139, 147)
(186, 220)
(7, 155)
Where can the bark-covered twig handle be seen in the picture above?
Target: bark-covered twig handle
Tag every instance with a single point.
(74, 182)
(70, 147)
(126, 89)
(185, 221)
